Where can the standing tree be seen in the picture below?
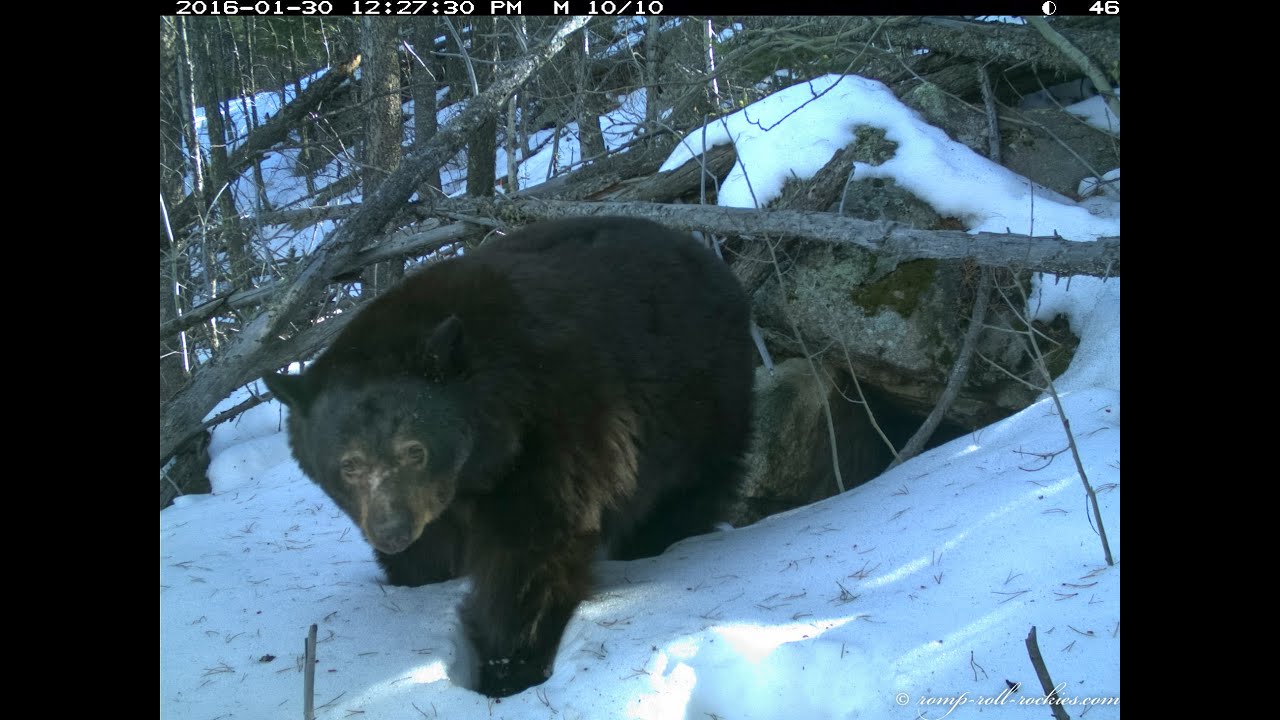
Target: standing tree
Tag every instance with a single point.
(482, 145)
(384, 123)
(212, 88)
(425, 71)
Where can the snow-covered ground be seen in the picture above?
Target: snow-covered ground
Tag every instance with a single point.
(907, 597)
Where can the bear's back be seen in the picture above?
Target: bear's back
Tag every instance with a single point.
(617, 295)
(641, 295)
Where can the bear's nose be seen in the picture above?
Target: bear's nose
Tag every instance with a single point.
(392, 534)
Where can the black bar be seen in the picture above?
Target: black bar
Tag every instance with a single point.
(627, 8)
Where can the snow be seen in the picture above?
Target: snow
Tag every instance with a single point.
(909, 596)
(1094, 111)
(618, 126)
(796, 131)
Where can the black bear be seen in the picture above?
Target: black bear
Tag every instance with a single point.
(576, 385)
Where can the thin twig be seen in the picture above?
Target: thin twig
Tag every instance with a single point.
(1073, 53)
(231, 414)
(993, 124)
(862, 400)
(819, 386)
(956, 378)
(466, 57)
(1042, 672)
(1066, 425)
(1010, 375)
(309, 676)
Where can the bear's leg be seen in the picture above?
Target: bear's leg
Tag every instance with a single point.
(683, 511)
(434, 557)
(521, 601)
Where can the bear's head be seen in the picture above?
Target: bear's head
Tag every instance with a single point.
(388, 448)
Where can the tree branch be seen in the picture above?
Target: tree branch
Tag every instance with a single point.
(273, 131)
(222, 372)
(1052, 389)
(1081, 60)
(415, 244)
(1042, 254)
(1000, 43)
(244, 357)
(1042, 672)
(956, 378)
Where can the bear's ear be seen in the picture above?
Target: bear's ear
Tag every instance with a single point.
(292, 390)
(444, 349)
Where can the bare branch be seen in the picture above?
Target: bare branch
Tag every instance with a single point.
(956, 378)
(274, 131)
(414, 244)
(1042, 672)
(818, 386)
(1080, 59)
(999, 43)
(993, 117)
(309, 676)
(1066, 426)
(242, 360)
(1054, 255)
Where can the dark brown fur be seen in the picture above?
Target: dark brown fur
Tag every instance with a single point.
(578, 383)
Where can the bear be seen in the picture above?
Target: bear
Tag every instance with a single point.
(577, 387)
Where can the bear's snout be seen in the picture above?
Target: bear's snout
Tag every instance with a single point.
(391, 534)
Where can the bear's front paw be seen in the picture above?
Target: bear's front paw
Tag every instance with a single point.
(506, 676)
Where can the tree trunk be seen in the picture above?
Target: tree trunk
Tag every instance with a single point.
(211, 90)
(171, 123)
(652, 75)
(186, 473)
(251, 112)
(172, 372)
(426, 72)
(584, 100)
(384, 125)
(482, 145)
(193, 158)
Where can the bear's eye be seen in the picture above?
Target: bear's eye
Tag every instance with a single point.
(413, 454)
(352, 465)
